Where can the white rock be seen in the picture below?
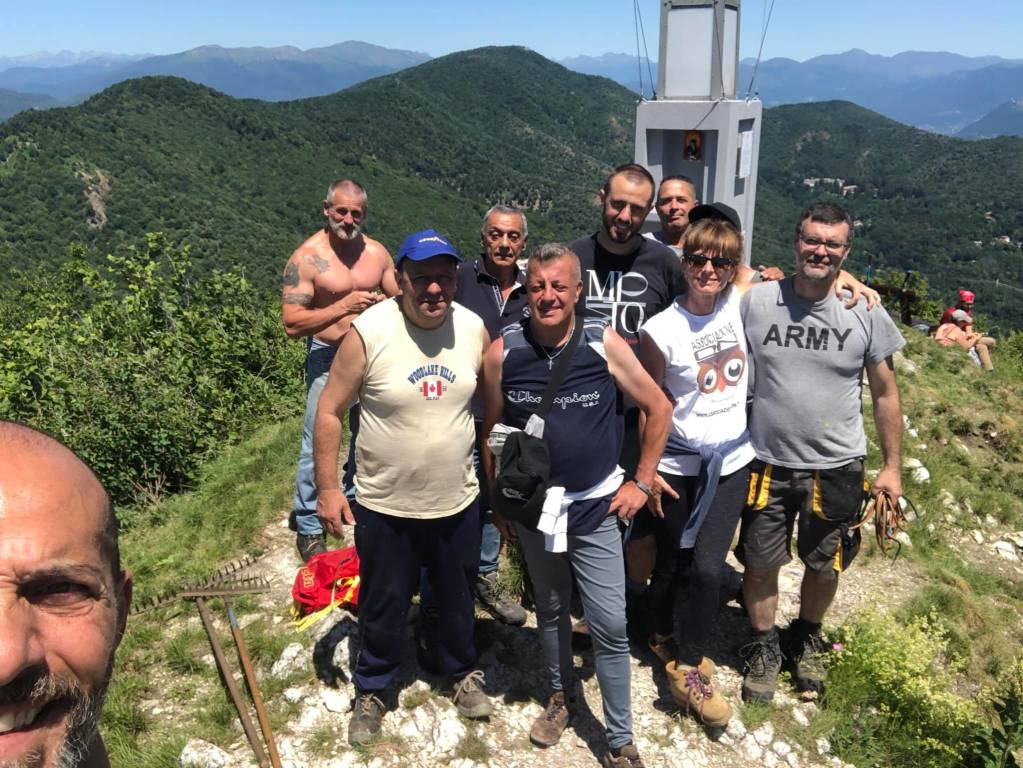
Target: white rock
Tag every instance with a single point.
(960, 446)
(448, 732)
(989, 520)
(906, 422)
(800, 717)
(294, 694)
(335, 700)
(781, 748)
(764, 734)
(911, 463)
(792, 758)
(201, 754)
(769, 760)
(823, 746)
(913, 433)
(292, 659)
(977, 536)
(750, 749)
(1007, 550)
(1016, 538)
(931, 527)
(921, 475)
(308, 718)
(903, 538)
(736, 729)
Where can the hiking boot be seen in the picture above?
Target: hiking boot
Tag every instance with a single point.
(805, 651)
(663, 647)
(693, 690)
(624, 757)
(549, 726)
(469, 698)
(762, 657)
(310, 544)
(367, 715)
(498, 605)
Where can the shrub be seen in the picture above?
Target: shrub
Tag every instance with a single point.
(142, 367)
(893, 686)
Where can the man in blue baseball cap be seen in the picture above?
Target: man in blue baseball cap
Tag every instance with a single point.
(413, 361)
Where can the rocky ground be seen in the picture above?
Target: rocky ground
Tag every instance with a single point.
(423, 728)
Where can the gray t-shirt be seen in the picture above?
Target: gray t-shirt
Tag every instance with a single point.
(808, 358)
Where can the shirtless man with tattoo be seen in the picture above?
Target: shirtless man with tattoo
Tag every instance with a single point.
(328, 281)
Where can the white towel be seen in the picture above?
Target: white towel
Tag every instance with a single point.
(553, 523)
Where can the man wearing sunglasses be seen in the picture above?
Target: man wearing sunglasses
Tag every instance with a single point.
(806, 426)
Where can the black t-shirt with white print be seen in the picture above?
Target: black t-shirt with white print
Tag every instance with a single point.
(627, 289)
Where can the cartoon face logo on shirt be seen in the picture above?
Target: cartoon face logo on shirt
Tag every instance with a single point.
(721, 368)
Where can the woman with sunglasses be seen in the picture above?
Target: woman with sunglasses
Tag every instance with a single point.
(696, 350)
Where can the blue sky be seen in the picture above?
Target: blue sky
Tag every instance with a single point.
(556, 28)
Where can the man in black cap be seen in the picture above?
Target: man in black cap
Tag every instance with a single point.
(414, 361)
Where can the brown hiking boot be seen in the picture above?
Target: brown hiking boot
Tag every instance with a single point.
(693, 690)
(627, 757)
(551, 723)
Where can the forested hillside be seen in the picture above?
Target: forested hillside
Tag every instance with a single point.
(241, 181)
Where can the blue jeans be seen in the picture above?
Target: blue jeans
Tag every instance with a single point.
(318, 360)
(596, 561)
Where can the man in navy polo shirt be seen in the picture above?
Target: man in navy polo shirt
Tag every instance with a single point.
(493, 287)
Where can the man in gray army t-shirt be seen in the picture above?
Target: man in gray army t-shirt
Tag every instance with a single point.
(809, 354)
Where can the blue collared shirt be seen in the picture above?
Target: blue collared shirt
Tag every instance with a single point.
(480, 292)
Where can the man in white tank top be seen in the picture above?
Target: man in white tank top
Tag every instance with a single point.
(413, 362)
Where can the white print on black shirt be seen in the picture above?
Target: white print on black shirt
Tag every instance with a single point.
(611, 300)
(585, 399)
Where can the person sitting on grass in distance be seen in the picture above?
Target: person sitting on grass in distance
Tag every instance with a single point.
(955, 332)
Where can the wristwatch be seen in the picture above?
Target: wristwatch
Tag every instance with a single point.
(643, 487)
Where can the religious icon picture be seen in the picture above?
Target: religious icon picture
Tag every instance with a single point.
(694, 145)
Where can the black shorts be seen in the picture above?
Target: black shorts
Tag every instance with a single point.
(826, 502)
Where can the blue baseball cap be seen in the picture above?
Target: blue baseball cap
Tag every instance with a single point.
(424, 245)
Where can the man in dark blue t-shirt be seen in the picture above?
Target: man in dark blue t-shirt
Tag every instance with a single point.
(493, 287)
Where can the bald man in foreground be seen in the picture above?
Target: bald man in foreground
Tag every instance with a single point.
(63, 603)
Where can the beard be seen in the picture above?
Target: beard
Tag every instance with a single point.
(338, 228)
(81, 721)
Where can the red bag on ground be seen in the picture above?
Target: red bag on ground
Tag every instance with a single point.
(325, 582)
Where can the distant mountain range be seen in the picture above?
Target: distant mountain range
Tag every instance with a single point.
(270, 74)
(936, 91)
(45, 59)
(1004, 120)
(241, 180)
(12, 102)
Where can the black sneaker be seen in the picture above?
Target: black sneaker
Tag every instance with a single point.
(805, 652)
(498, 605)
(310, 544)
(762, 657)
(469, 698)
(367, 715)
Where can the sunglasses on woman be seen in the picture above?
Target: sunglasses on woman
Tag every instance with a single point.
(698, 260)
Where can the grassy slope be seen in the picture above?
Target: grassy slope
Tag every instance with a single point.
(949, 401)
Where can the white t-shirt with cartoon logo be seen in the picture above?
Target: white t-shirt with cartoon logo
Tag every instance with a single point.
(706, 373)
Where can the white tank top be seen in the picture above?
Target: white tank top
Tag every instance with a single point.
(414, 448)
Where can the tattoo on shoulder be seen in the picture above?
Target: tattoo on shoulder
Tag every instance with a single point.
(319, 263)
(302, 299)
(291, 275)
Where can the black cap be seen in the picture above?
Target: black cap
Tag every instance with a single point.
(716, 211)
